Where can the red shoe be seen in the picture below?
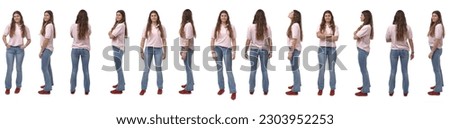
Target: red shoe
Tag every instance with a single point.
(431, 93)
(43, 92)
(291, 93)
(86, 93)
(290, 87)
(266, 92)
(159, 91)
(433, 87)
(17, 91)
(361, 94)
(7, 91)
(184, 92)
(332, 93)
(72, 92)
(251, 92)
(116, 92)
(183, 86)
(391, 94)
(114, 86)
(42, 86)
(360, 88)
(142, 92)
(405, 94)
(233, 96)
(320, 92)
(220, 91)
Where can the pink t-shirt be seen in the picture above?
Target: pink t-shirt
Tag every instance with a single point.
(295, 29)
(328, 31)
(119, 33)
(154, 38)
(364, 35)
(16, 39)
(438, 35)
(49, 34)
(77, 42)
(398, 44)
(251, 35)
(223, 38)
(188, 36)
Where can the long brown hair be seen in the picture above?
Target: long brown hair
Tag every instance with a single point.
(400, 22)
(228, 25)
(433, 24)
(123, 20)
(323, 23)
(186, 18)
(261, 24)
(12, 27)
(44, 23)
(297, 19)
(158, 24)
(83, 24)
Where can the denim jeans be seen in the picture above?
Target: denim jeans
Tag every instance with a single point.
(76, 54)
(263, 56)
(324, 54)
(362, 59)
(296, 70)
(224, 54)
(151, 52)
(118, 54)
(404, 57)
(47, 69)
(188, 67)
(14, 52)
(436, 61)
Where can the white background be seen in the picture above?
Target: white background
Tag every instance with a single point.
(99, 109)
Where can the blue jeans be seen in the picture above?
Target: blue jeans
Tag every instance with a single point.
(224, 53)
(148, 57)
(436, 61)
(11, 53)
(296, 71)
(188, 67)
(362, 59)
(324, 54)
(118, 54)
(76, 54)
(47, 69)
(263, 56)
(404, 57)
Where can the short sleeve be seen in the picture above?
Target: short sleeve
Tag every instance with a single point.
(163, 32)
(336, 31)
(48, 31)
(28, 36)
(188, 31)
(438, 31)
(410, 34)
(234, 32)
(295, 29)
(365, 30)
(6, 30)
(249, 33)
(120, 29)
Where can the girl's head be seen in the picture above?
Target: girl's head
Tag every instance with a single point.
(327, 19)
(296, 17)
(186, 18)
(153, 18)
(48, 18)
(366, 18)
(83, 24)
(120, 16)
(223, 18)
(17, 19)
(436, 18)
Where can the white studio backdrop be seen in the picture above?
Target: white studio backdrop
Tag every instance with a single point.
(99, 109)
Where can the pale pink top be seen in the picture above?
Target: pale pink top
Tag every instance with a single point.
(80, 43)
(295, 29)
(258, 44)
(438, 34)
(49, 34)
(16, 39)
(328, 31)
(119, 33)
(395, 43)
(154, 38)
(364, 35)
(188, 36)
(223, 38)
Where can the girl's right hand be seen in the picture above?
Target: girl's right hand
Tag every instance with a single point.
(183, 55)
